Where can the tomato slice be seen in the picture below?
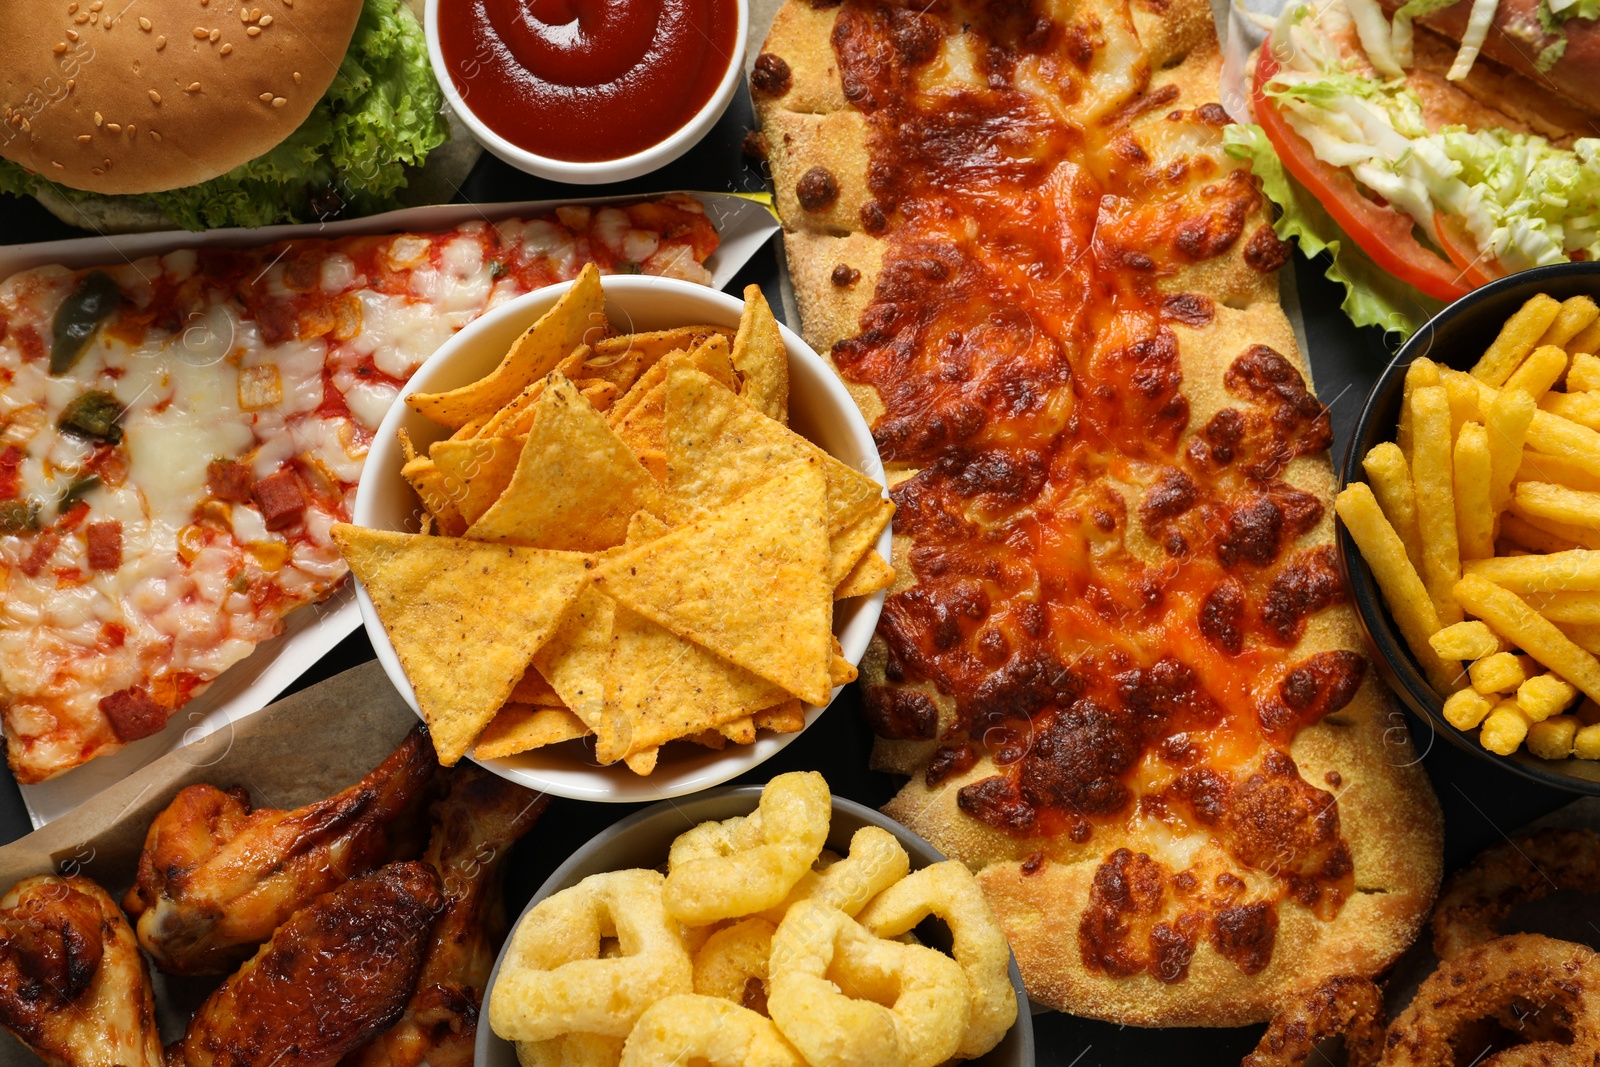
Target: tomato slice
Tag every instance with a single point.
(1382, 232)
(1477, 268)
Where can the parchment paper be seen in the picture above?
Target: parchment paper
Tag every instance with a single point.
(297, 750)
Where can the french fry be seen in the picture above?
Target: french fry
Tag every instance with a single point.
(1504, 730)
(1511, 617)
(1549, 433)
(1577, 314)
(1575, 569)
(1431, 469)
(1586, 742)
(1561, 535)
(1517, 533)
(1567, 607)
(1586, 342)
(1466, 708)
(1463, 394)
(1473, 482)
(1402, 588)
(1506, 423)
(1581, 407)
(1557, 503)
(1543, 695)
(1422, 373)
(1584, 636)
(1499, 673)
(1390, 477)
(1538, 467)
(1584, 372)
(1517, 338)
(1552, 738)
(1468, 641)
(1541, 370)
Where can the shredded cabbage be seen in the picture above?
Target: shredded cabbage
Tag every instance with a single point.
(1525, 201)
(1373, 297)
(382, 113)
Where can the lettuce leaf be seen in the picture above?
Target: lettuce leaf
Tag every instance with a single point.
(382, 113)
(1373, 297)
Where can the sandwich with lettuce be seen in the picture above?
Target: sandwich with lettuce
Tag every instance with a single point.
(154, 113)
(1429, 146)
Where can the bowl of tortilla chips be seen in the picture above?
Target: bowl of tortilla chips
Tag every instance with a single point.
(623, 540)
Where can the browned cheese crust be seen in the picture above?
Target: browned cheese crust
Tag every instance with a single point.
(1130, 888)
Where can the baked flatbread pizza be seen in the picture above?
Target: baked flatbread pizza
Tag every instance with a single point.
(1116, 666)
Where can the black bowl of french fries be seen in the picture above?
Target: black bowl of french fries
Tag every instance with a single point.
(1469, 524)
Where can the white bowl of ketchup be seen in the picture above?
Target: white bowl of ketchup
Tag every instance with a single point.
(588, 91)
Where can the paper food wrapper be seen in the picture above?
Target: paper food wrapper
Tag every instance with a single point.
(300, 749)
(743, 224)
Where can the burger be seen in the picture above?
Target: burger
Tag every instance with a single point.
(1428, 146)
(141, 114)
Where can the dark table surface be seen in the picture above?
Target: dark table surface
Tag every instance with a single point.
(1480, 805)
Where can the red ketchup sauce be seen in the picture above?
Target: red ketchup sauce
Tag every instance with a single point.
(587, 80)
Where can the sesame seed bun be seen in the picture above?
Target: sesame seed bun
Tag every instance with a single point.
(113, 96)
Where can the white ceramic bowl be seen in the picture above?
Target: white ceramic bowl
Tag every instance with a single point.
(642, 840)
(819, 408)
(656, 156)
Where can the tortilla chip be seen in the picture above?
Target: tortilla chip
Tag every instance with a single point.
(660, 687)
(514, 419)
(425, 527)
(761, 359)
(746, 582)
(870, 574)
(643, 427)
(709, 739)
(428, 482)
(599, 394)
(520, 728)
(580, 310)
(465, 618)
(645, 527)
(533, 689)
(576, 656)
(739, 731)
(847, 546)
(841, 671)
(576, 483)
(718, 447)
(643, 761)
(475, 472)
(711, 355)
(786, 718)
(621, 359)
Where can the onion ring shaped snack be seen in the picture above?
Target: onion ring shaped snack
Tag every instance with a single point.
(831, 981)
(554, 980)
(731, 957)
(1481, 981)
(706, 1030)
(876, 862)
(949, 891)
(1344, 1004)
(722, 870)
(1478, 897)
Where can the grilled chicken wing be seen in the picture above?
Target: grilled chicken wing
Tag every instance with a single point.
(72, 983)
(335, 975)
(474, 827)
(215, 878)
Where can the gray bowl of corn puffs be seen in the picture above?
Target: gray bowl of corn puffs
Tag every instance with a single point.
(1469, 524)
